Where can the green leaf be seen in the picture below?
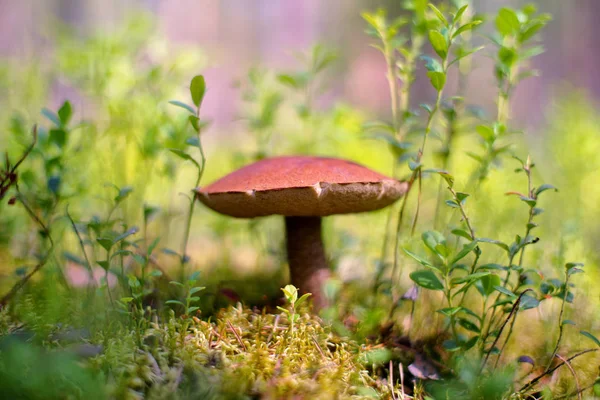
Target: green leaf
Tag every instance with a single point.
(174, 302)
(530, 202)
(378, 356)
(486, 284)
(194, 276)
(124, 192)
(437, 79)
(197, 89)
(156, 273)
(118, 253)
(486, 133)
(195, 122)
(543, 188)
(427, 279)
(413, 165)
(193, 141)
(140, 259)
(65, 112)
(75, 259)
(431, 64)
(498, 243)
(153, 246)
(432, 239)
(445, 175)
(302, 299)
(150, 211)
(104, 264)
(492, 266)
(426, 107)
(470, 278)
(58, 137)
(460, 13)
(284, 310)
(466, 27)
(461, 197)
(133, 282)
(438, 14)
(504, 302)
(105, 243)
(464, 252)
(398, 147)
(508, 56)
(572, 265)
(291, 293)
(176, 283)
(295, 82)
(420, 260)
(452, 203)
(529, 32)
(51, 116)
(568, 322)
(505, 291)
(471, 313)
(528, 302)
(462, 233)
(192, 309)
(590, 336)
(439, 44)
(449, 311)
(507, 22)
(468, 325)
(187, 107)
(126, 234)
(378, 126)
(196, 289)
(451, 345)
(464, 54)
(470, 343)
(183, 155)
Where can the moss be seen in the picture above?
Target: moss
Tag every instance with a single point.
(244, 353)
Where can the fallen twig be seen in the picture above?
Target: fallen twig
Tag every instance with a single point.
(535, 380)
(568, 364)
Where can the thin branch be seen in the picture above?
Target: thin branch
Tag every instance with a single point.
(568, 364)
(512, 311)
(10, 175)
(17, 286)
(237, 336)
(560, 322)
(578, 392)
(535, 380)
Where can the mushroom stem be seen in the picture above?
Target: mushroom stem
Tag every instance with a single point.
(306, 256)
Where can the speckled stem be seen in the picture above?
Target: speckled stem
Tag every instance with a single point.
(306, 256)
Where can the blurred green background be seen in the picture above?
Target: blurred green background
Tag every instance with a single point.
(120, 62)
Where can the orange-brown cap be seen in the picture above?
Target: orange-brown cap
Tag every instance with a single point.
(300, 186)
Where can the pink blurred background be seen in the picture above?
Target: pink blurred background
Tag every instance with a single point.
(237, 35)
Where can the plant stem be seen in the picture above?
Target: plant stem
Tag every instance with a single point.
(390, 60)
(560, 323)
(527, 169)
(92, 282)
(188, 223)
(492, 316)
(512, 311)
(400, 109)
(414, 176)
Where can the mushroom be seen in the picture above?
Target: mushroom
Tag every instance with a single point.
(302, 189)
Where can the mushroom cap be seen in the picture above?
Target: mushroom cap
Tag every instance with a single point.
(300, 186)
